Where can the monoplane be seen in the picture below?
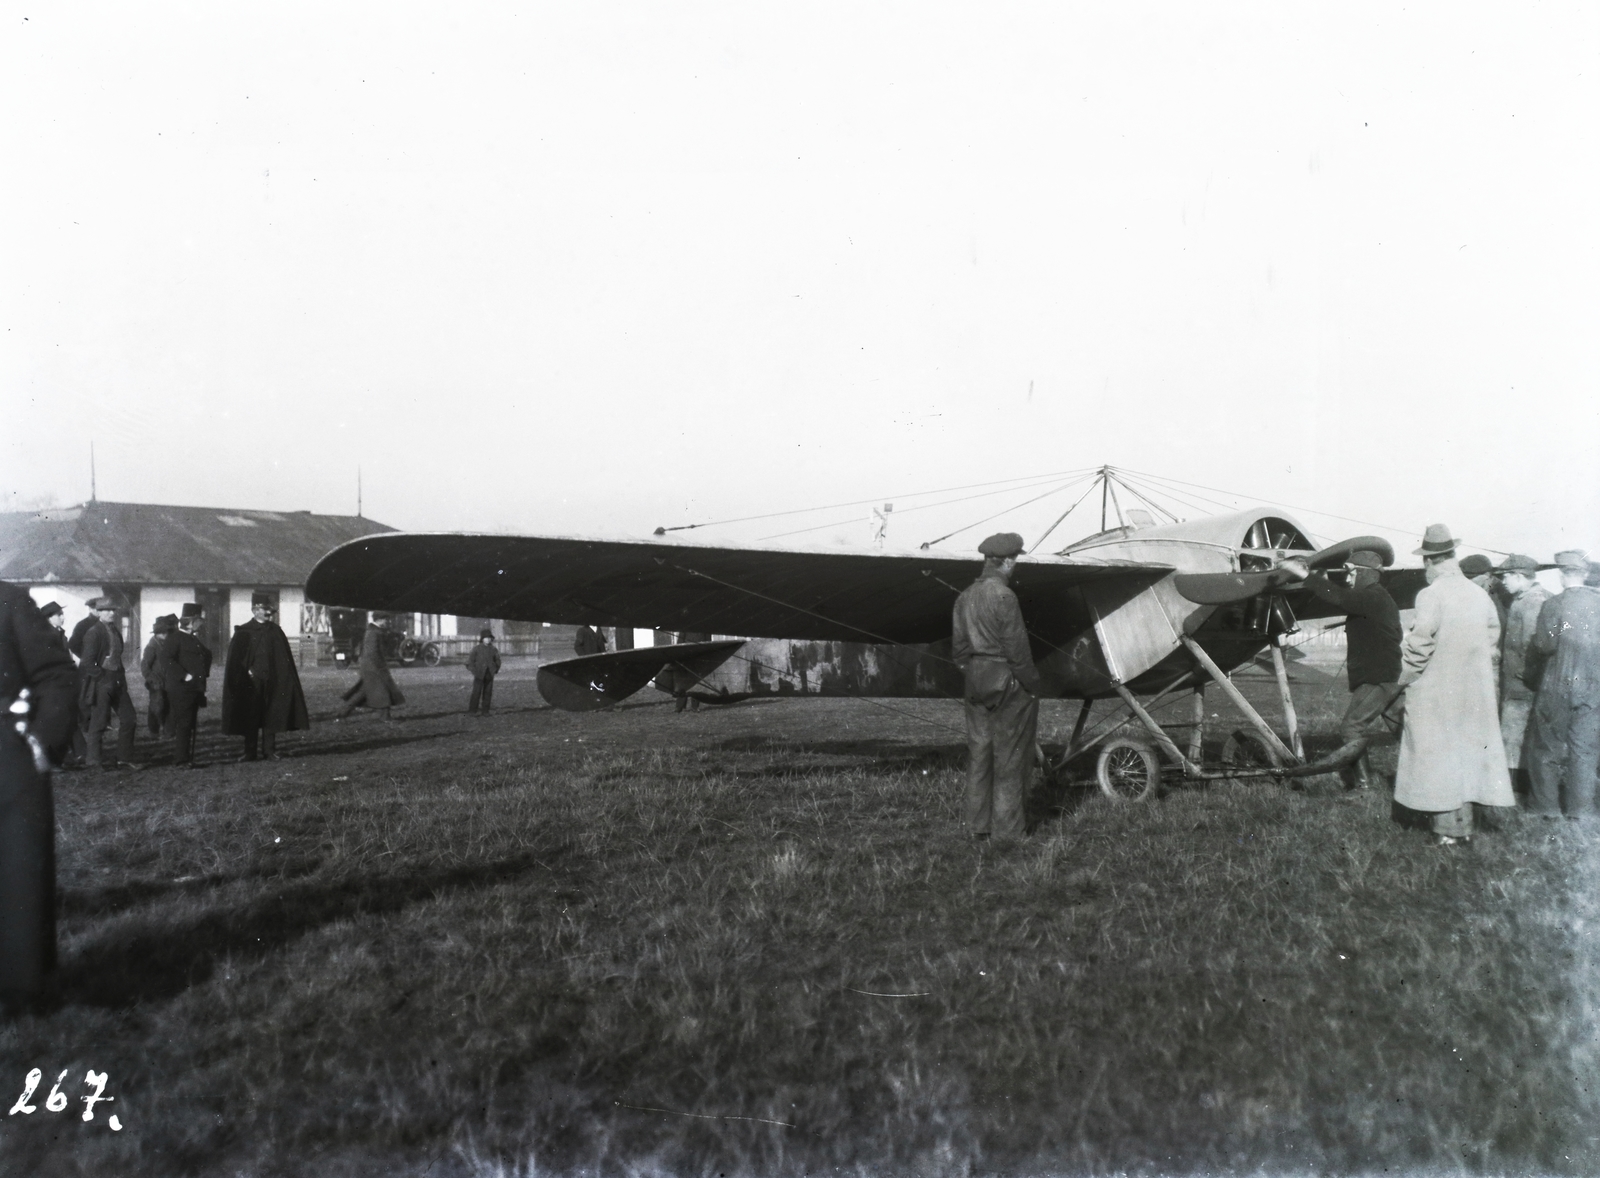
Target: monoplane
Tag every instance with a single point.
(1132, 613)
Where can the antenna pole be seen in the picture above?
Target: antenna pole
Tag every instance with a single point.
(358, 492)
(92, 493)
(1105, 484)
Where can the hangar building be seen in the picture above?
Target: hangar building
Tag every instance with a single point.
(151, 558)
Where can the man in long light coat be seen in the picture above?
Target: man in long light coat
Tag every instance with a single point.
(1516, 574)
(1451, 754)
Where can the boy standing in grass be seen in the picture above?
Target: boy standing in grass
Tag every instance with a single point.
(484, 663)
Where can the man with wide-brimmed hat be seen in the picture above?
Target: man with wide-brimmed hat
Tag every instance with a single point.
(103, 686)
(1001, 688)
(1564, 663)
(188, 666)
(1517, 576)
(1372, 637)
(261, 694)
(1451, 755)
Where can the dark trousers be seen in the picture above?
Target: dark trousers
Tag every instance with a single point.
(482, 694)
(1563, 747)
(110, 695)
(158, 717)
(27, 873)
(1371, 712)
(185, 707)
(268, 744)
(1000, 761)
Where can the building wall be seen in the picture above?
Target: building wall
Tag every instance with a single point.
(73, 599)
(155, 600)
(291, 600)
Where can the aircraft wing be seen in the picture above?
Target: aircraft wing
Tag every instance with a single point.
(668, 585)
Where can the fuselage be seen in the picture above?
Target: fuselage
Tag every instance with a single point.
(1130, 637)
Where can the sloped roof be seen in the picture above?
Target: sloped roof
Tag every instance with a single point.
(148, 543)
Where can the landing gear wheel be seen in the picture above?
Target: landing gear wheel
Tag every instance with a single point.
(1128, 769)
(430, 654)
(1245, 750)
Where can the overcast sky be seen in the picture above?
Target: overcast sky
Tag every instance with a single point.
(594, 268)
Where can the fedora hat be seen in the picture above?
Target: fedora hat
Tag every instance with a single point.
(1436, 541)
(99, 603)
(165, 623)
(49, 609)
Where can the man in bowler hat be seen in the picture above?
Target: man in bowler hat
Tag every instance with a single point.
(1001, 690)
(1564, 663)
(1372, 636)
(1526, 597)
(1451, 756)
(261, 694)
(188, 668)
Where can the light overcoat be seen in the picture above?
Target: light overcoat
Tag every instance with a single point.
(1450, 750)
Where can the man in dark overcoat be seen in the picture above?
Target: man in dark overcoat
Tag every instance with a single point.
(1372, 638)
(376, 688)
(33, 660)
(188, 662)
(1001, 686)
(261, 693)
(152, 667)
(1564, 662)
(51, 612)
(103, 686)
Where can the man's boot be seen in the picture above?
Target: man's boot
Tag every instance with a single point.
(1361, 772)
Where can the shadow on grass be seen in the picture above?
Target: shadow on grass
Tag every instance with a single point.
(153, 964)
(336, 748)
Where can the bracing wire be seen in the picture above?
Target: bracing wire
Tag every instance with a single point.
(998, 514)
(1089, 491)
(908, 510)
(1008, 484)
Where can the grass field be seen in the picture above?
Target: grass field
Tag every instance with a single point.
(754, 941)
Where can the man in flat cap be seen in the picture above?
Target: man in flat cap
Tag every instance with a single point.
(1516, 574)
(103, 686)
(1372, 636)
(1001, 691)
(1564, 663)
(1451, 755)
(1479, 569)
(188, 666)
(261, 694)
